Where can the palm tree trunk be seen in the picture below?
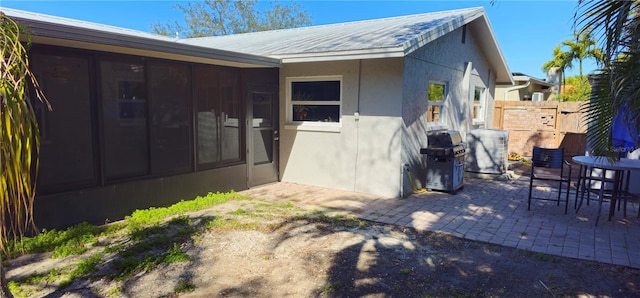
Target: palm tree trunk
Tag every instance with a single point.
(580, 68)
(4, 288)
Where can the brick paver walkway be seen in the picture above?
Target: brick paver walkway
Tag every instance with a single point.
(488, 211)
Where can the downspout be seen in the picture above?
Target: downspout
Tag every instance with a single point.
(356, 117)
(506, 92)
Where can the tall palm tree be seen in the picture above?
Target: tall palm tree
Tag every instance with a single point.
(19, 140)
(561, 60)
(583, 47)
(617, 83)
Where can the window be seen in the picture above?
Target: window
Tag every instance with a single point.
(218, 118)
(478, 104)
(436, 95)
(170, 120)
(124, 114)
(67, 150)
(314, 101)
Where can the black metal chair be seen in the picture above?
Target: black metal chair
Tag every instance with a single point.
(548, 164)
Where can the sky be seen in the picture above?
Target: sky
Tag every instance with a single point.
(527, 31)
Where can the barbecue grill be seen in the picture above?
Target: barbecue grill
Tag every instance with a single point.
(445, 160)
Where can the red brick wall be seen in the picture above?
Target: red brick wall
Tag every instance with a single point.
(546, 124)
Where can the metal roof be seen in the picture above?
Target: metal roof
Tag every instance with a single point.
(75, 33)
(518, 77)
(378, 38)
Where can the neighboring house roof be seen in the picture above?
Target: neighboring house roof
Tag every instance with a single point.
(379, 38)
(520, 77)
(76, 33)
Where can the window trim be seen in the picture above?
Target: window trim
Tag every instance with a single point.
(440, 104)
(482, 110)
(312, 125)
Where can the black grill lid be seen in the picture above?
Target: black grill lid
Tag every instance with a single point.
(448, 151)
(443, 138)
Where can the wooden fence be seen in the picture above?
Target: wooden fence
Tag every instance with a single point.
(542, 123)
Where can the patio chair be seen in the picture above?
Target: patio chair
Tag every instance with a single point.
(548, 164)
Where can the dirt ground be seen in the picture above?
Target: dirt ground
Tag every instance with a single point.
(288, 255)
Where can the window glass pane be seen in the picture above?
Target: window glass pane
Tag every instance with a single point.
(435, 98)
(66, 155)
(218, 114)
(476, 96)
(169, 112)
(433, 113)
(263, 146)
(478, 102)
(317, 113)
(205, 82)
(230, 116)
(262, 110)
(316, 91)
(262, 128)
(436, 92)
(124, 110)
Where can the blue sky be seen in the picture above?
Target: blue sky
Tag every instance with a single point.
(527, 31)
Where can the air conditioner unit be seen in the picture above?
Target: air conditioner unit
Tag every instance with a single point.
(537, 96)
(487, 151)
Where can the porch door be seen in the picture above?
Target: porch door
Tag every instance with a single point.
(262, 135)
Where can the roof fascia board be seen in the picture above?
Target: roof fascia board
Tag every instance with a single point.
(138, 52)
(540, 82)
(64, 32)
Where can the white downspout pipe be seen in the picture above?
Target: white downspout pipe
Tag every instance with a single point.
(506, 92)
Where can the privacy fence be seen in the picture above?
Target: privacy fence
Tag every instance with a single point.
(542, 123)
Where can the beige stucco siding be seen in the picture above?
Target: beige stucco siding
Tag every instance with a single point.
(364, 155)
(519, 94)
(446, 60)
(369, 151)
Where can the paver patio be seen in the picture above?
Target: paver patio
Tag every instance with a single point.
(490, 211)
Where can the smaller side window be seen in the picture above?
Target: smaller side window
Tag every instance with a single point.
(436, 95)
(478, 104)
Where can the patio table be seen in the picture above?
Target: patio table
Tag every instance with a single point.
(620, 167)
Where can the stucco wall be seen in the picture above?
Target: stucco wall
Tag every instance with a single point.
(364, 155)
(445, 59)
(518, 94)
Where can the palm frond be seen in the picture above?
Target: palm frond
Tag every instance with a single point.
(617, 85)
(19, 135)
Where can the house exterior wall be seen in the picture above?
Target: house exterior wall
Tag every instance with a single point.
(172, 122)
(518, 95)
(463, 67)
(364, 155)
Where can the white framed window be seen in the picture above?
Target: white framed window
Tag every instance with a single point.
(436, 96)
(479, 105)
(314, 103)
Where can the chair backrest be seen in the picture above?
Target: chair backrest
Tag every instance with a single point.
(548, 157)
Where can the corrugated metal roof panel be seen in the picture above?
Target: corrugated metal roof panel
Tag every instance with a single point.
(395, 34)
(78, 32)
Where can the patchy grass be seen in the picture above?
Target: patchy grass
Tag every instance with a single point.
(73, 240)
(348, 221)
(184, 286)
(152, 237)
(331, 287)
(142, 227)
(152, 216)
